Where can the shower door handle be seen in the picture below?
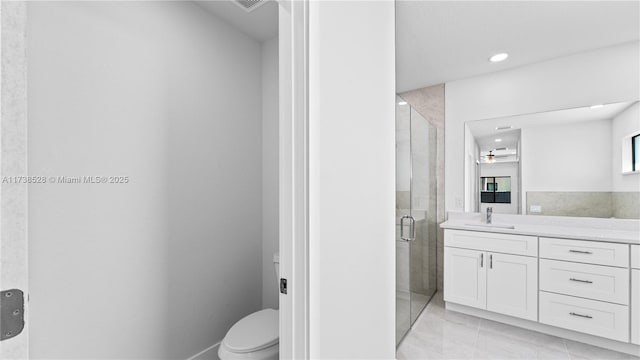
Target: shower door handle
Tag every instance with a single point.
(402, 219)
(412, 228)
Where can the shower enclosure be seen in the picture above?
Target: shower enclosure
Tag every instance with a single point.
(416, 226)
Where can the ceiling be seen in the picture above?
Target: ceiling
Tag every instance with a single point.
(509, 141)
(442, 41)
(260, 24)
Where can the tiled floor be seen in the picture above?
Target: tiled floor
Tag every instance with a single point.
(403, 315)
(442, 334)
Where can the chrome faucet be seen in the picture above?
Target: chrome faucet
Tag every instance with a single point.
(489, 214)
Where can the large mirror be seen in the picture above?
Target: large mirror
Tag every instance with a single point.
(572, 162)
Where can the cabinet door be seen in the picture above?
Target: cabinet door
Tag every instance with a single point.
(635, 306)
(512, 285)
(465, 277)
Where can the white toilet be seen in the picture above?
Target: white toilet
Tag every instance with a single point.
(255, 336)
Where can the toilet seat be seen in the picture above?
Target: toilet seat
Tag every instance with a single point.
(254, 332)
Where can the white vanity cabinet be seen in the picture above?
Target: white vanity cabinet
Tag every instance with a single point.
(580, 283)
(635, 294)
(478, 276)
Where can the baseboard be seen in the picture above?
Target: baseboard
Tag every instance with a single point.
(210, 353)
(626, 348)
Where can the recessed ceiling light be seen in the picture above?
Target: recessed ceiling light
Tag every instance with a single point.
(498, 140)
(402, 103)
(598, 106)
(499, 57)
(503, 127)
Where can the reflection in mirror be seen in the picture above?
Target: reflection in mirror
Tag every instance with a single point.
(495, 190)
(572, 162)
(635, 153)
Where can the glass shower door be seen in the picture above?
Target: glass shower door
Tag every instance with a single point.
(423, 211)
(416, 226)
(403, 213)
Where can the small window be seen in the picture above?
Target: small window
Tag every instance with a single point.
(631, 153)
(635, 153)
(495, 190)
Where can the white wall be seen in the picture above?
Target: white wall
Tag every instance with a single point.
(596, 77)
(502, 169)
(351, 179)
(170, 96)
(567, 157)
(626, 123)
(269, 171)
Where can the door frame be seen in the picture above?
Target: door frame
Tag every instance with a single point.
(293, 178)
(13, 163)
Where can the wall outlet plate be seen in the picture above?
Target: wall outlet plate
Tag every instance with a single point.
(535, 209)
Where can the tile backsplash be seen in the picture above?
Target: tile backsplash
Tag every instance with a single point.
(600, 204)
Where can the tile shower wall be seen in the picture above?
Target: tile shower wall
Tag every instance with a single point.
(429, 102)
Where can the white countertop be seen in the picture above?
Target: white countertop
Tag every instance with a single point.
(611, 230)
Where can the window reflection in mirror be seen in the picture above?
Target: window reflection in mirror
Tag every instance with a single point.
(495, 190)
(635, 153)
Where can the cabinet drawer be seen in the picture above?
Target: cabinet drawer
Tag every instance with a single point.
(635, 256)
(595, 282)
(591, 252)
(588, 316)
(501, 243)
(635, 306)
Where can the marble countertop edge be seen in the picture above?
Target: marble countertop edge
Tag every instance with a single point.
(553, 231)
